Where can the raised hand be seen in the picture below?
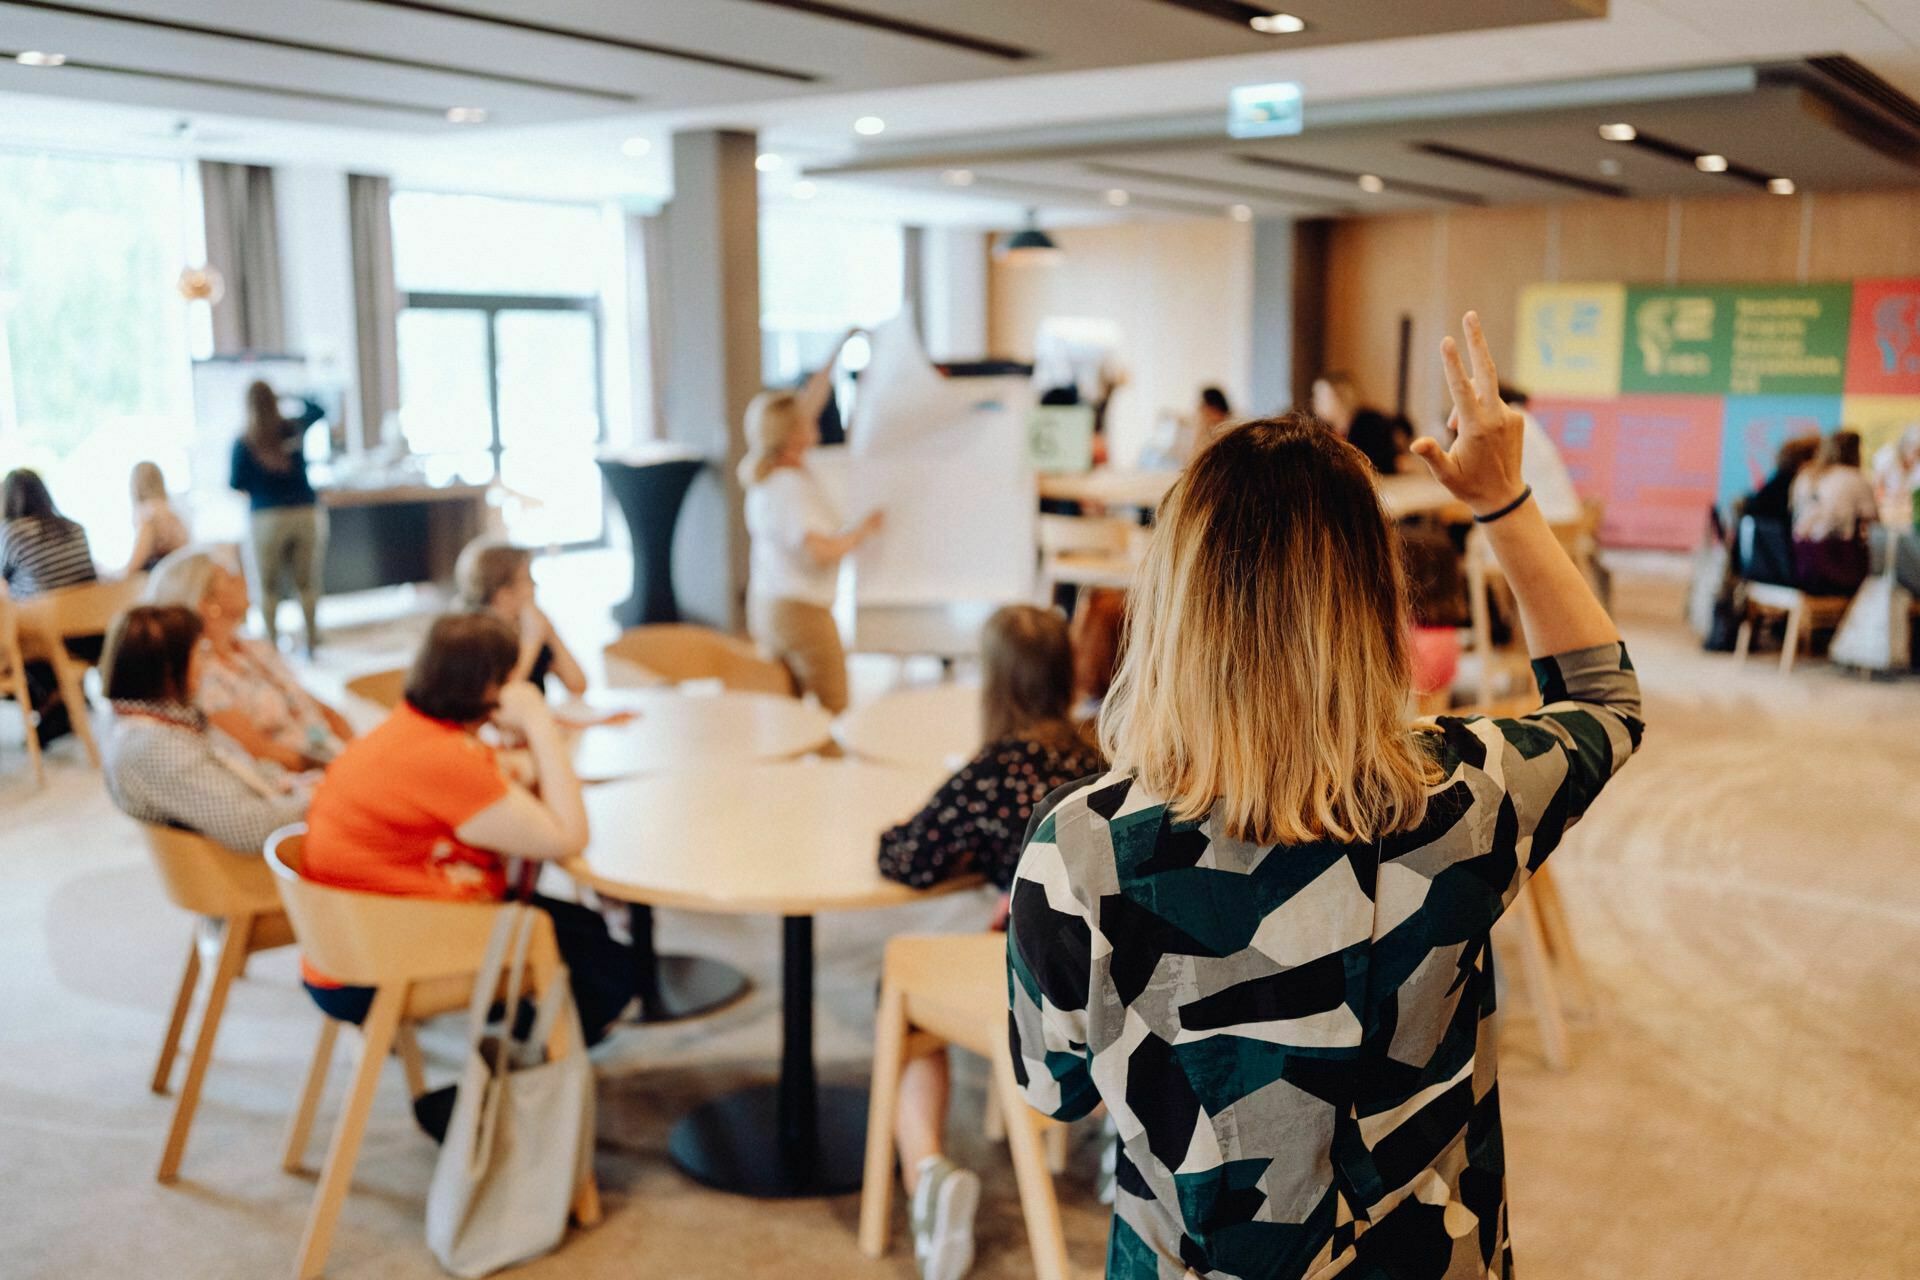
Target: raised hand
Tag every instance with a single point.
(1482, 469)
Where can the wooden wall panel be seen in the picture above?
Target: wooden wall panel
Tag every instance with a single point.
(1381, 269)
(1612, 240)
(1865, 233)
(1181, 293)
(1740, 239)
(1491, 255)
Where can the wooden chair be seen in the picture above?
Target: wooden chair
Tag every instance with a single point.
(953, 989)
(1088, 551)
(48, 620)
(13, 683)
(240, 914)
(383, 689)
(1803, 612)
(675, 652)
(421, 958)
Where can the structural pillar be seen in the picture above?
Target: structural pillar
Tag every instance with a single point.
(1289, 311)
(710, 272)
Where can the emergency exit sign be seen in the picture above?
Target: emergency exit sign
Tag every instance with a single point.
(1264, 110)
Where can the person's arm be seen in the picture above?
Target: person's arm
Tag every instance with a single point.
(239, 726)
(812, 398)
(565, 665)
(828, 549)
(939, 842)
(143, 540)
(341, 726)
(552, 825)
(241, 471)
(1050, 978)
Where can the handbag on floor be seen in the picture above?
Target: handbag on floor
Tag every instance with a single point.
(1874, 635)
(520, 1140)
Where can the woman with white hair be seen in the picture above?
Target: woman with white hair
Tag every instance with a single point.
(798, 542)
(246, 690)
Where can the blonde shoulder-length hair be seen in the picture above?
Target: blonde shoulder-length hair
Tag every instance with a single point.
(1266, 668)
(773, 420)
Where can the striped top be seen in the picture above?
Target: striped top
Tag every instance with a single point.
(1295, 1043)
(44, 553)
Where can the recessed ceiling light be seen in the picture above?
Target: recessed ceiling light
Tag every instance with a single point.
(1710, 163)
(767, 162)
(867, 126)
(804, 190)
(1610, 167)
(1781, 186)
(1116, 197)
(466, 115)
(1372, 183)
(37, 58)
(1277, 24)
(1240, 213)
(958, 177)
(1619, 132)
(636, 147)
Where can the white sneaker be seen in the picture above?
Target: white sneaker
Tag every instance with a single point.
(944, 1202)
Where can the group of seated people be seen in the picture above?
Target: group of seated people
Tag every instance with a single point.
(1823, 507)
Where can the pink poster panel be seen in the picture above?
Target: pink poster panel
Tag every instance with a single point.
(1652, 461)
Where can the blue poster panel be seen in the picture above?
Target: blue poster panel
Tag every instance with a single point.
(1756, 427)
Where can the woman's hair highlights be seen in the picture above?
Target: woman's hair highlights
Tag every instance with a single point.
(773, 419)
(466, 658)
(1026, 686)
(1266, 669)
(147, 483)
(487, 567)
(148, 653)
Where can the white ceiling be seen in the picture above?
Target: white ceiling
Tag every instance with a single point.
(565, 143)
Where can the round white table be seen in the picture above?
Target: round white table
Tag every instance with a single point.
(714, 733)
(1111, 486)
(934, 726)
(789, 840)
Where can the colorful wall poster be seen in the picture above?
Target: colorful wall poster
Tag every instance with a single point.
(1883, 344)
(1570, 339)
(1746, 340)
(1653, 462)
(1753, 430)
(1879, 420)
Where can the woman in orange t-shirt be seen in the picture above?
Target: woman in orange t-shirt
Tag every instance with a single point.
(419, 808)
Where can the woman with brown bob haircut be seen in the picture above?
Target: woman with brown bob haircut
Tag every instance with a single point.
(1262, 939)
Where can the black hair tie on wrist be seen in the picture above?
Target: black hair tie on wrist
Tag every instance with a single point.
(1507, 510)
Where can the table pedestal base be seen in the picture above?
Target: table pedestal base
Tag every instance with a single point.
(675, 987)
(734, 1143)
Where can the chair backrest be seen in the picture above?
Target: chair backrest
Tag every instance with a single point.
(1084, 535)
(381, 688)
(209, 879)
(955, 985)
(373, 939)
(676, 652)
(81, 611)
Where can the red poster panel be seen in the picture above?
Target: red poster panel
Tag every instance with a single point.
(1652, 461)
(1883, 348)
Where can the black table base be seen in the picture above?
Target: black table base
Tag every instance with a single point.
(672, 988)
(787, 1139)
(649, 496)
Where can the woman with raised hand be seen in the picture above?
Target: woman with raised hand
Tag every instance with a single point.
(1262, 939)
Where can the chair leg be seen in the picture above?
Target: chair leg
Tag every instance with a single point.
(1790, 645)
(73, 691)
(28, 720)
(406, 1047)
(1541, 992)
(1037, 1201)
(233, 950)
(294, 1157)
(344, 1151)
(1559, 936)
(889, 1060)
(993, 1125)
(1056, 1141)
(1743, 638)
(182, 1001)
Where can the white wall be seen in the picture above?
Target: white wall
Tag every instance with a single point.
(953, 292)
(316, 275)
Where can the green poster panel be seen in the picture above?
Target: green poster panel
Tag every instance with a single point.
(1772, 340)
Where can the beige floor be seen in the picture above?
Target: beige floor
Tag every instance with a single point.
(1745, 1105)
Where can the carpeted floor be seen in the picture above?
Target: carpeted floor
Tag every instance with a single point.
(1745, 1102)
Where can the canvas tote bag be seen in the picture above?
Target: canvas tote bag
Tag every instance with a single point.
(521, 1136)
(1874, 635)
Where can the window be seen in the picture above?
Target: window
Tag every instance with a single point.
(820, 276)
(500, 352)
(95, 370)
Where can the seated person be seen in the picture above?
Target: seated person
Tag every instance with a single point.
(1774, 499)
(41, 551)
(497, 579)
(161, 763)
(1175, 442)
(1437, 601)
(247, 691)
(1896, 470)
(1338, 403)
(419, 808)
(1542, 467)
(158, 529)
(976, 824)
(1833, 511)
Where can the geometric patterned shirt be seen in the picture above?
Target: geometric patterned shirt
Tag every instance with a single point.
(1294, 1042)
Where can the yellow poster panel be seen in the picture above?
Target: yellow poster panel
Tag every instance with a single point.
(1570, 339)
(1878, 419)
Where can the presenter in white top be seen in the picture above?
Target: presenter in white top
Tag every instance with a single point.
(798, 542)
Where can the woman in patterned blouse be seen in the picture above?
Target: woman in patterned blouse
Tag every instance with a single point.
(975, 825)
(1262, 940)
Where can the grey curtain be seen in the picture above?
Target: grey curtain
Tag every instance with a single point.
(243, 245)
(376, 301)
